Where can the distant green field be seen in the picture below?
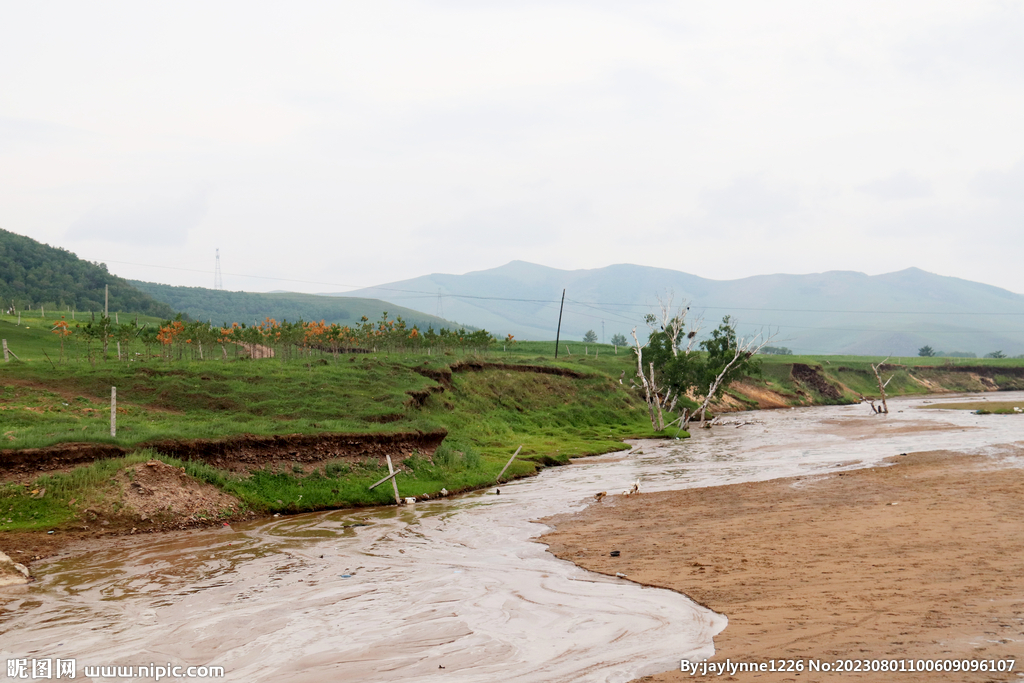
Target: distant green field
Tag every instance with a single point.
(982, 407)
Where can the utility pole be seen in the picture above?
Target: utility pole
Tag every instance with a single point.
(602, 332)
(106, 320)
(558, 333)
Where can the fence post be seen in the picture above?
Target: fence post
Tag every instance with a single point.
(391, 470)
(6, 359)
(113, 411)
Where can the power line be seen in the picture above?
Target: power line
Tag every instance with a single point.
(592, 304)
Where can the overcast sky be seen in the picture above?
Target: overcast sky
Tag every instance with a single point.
(360, 143)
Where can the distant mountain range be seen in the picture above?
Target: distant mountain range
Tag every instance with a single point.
(221, 306)
(838, 312)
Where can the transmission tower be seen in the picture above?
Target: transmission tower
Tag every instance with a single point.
(440, 304)
(218, 283)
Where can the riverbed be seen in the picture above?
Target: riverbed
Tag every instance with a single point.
(455, 589)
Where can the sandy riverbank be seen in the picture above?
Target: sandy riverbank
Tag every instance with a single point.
(923, 559)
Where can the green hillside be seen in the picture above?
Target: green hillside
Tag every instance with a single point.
(221, 306)
(35, 275)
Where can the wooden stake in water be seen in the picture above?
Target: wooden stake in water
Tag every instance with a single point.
(509, 462)
(113, 411)
(391, 470)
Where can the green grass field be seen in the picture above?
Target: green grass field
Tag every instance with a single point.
(487, 412)
(50, 398)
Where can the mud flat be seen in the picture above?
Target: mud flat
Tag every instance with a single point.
(920, 559)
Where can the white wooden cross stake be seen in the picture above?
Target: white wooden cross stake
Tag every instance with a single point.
(392, 474)
(113, 411)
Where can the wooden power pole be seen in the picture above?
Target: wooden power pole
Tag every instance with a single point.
(558, 333)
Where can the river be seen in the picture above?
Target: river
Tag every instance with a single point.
(455, 589)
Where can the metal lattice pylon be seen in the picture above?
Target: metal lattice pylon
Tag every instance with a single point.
(218, 282)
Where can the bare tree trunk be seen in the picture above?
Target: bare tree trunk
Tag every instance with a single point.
(649, 392)
(657, 402)
(881, 387)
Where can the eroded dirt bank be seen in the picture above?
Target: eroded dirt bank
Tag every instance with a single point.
(238, 453)
(923, 559)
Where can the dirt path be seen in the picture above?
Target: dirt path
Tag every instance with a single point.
(924, 559)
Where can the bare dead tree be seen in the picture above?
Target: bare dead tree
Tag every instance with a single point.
(672, 320)
(655, 403)
(877, 369)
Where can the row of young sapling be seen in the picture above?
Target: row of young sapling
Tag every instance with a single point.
(104, 337)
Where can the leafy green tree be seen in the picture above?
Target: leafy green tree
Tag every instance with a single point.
(926, 352)
(619, 339)
(590, 337)
(995, 354)
(705, 375)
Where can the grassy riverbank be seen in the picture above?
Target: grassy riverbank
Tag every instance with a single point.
(312, 431)
(293, 435)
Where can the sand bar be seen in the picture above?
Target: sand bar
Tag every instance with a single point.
(922, 559)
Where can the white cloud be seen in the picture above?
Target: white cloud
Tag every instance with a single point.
(157, 220)
(901, 185)
(1003, 185)
(750, 200)
(716, 138)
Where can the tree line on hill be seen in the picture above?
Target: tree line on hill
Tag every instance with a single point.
(929, 352)
(34, 275)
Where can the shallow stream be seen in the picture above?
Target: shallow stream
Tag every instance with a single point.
(452, 590)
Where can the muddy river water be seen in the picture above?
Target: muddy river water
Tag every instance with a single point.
(448, 590)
